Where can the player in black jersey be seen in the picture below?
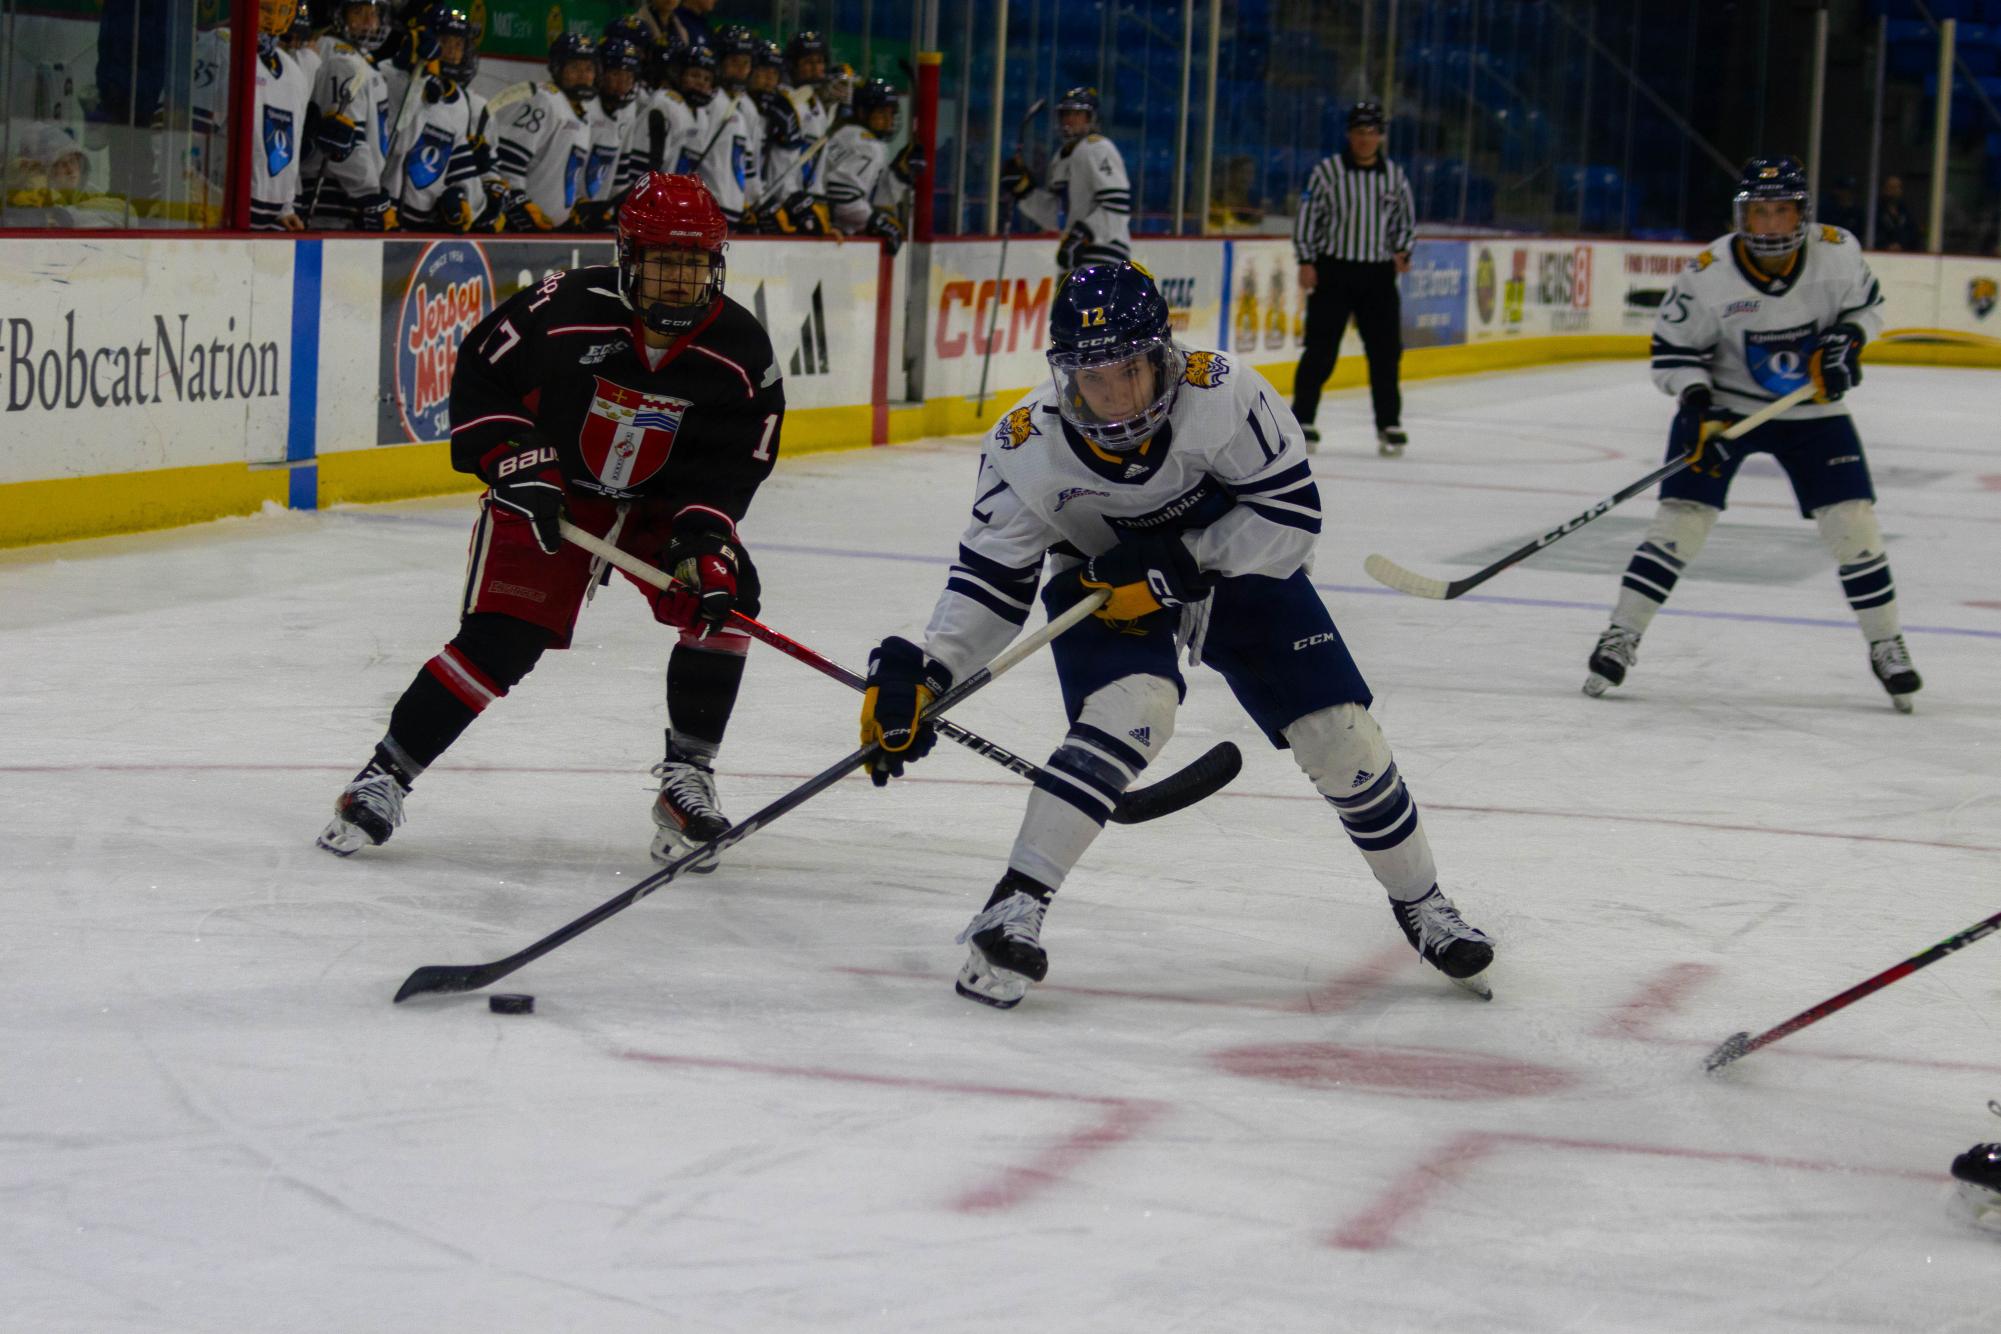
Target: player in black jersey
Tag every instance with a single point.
(643, 405)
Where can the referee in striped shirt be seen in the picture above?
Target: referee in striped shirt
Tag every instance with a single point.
(1353, 237)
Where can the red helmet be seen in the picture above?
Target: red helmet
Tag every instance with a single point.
(665, 212)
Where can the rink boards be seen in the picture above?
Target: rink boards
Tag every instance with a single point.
(152, 381)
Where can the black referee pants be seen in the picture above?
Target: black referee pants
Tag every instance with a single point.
(1369, 293)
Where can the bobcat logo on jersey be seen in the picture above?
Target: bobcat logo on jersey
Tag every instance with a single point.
(628, 435)
(278, 140)
(428, 157)
(1205, 370)
(1980, 297)
(1015, 428)
(1777, 358)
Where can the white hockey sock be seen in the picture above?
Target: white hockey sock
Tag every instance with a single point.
(1675, 538)
(1117, 733)
(1851, 532)
(1344, 753)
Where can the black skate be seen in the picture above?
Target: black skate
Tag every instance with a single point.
(366, 812)
(1618, 648)
(685, 814)
(1977, 1176)
(1442, 939)
(1891, 662)
(1390, 441)
(1006, 941)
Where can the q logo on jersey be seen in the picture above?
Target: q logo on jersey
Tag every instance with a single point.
(1205, 370)
(1777, 358)
(428, 157)
(278, 140)
(1980, 297)
(450, 291)
(1016, 427)
(628, 435)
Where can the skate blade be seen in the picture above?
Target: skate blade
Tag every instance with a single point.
(1477, 984)
(1390, 451)
(1905, 703)
(980, 981)
(343, 839)
(669, 846)
(1596, 686)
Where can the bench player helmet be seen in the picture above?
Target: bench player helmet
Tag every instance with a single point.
(447, 20)
(358, 38)
(567, 47)
(670, 213)
(1108, 328)
(619, 53)
(804, 46)
(1081, 99)
(1780, 179)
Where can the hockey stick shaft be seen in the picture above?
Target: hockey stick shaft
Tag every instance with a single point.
(1743, 1044)
(1000, 274)
(1389, 573)
(776, 188)
(471, 977)
(1198, 781)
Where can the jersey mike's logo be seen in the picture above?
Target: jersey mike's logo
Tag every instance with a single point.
(1015, 428)
(450, 291)
(1980, 297)
(1205, 370)
(627, 435)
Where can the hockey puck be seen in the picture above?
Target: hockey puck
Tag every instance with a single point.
(514, 1004)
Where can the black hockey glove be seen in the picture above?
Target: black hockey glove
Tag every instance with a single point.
(519, 213)
(883, 223)
(1697, 424)
(336, 136)
(592, 215)
(1836, 362)
(902, 682)
(1016, 178)
(376, 214)
(714, 571)
(454, 210)
(526, 478)
(800, 215)
(909, 164)
(1146, 573)
(1073, 240)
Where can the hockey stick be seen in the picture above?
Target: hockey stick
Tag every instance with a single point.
(471, 977)
(1000, 274)
(1386, 571)
(805, 159)
(1209, 774)
(1740, 1045)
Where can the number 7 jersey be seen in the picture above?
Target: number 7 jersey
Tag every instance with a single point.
(1728, 324)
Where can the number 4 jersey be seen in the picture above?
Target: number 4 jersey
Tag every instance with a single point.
(696, 422)
(1728, 324)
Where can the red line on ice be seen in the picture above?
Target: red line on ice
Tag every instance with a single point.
(1122, 1120)
(1636, 1018)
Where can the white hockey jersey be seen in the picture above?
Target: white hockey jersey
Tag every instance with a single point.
(279, 113)
(858, 180)
(1727, 324)
(541, 144)
(611, 132)
(780, 172)
(432, 150)
(348, 85)
(752, 119)
(661, 129)
(1228, 472)
(1087, 185)
(719, 153)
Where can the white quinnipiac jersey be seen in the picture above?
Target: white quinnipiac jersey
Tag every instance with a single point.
(308, 60)
(432, 150)
(857, 180)
(1728, 324)
(752, 117)
(663, 126)
(611, 131)
(1228, 472)
(349, 86)
(279, 114)
(540, 145)
(816, 119)
(719, 153)
(780, 175)
(1087, 186)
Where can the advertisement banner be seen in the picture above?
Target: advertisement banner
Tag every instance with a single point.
(1268, 309)
(1531, 288)
(817, 300)
(128, 354)
(1645, 273)
(1434, 295)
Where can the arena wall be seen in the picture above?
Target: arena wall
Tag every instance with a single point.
(149, 381)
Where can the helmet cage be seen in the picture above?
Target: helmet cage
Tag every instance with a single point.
(659, 316)
(356, 40)
(1120, 431)
(1768, 245)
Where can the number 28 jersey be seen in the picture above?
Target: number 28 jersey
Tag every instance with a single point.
(1747, 334)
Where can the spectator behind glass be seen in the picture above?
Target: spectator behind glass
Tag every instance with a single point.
(669, 18)
(48, 183)
(1896, 229)
(694, 17)
(1842, 209)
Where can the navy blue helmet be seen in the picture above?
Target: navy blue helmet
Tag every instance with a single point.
(570, 46)
(1081, 99)
(684, 60)
(1777, 180)
(873, 95)
(1112, 355)
(619, 53)
(448, 20)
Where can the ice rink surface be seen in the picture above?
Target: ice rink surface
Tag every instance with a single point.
(753, 1102)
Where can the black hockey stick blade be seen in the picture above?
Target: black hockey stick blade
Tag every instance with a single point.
(1198, 782)
(1735, 1046)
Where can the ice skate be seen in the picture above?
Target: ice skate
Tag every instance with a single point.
(1005, 940)
(1441, 937)
(1618, 648)
(1891, 662)
(1312, 439)
(685, 814)
(1390, 441)
(366, 812)
(1977, 1179)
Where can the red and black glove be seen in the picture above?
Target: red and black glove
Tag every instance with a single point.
(713, 570)
(527, 481)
